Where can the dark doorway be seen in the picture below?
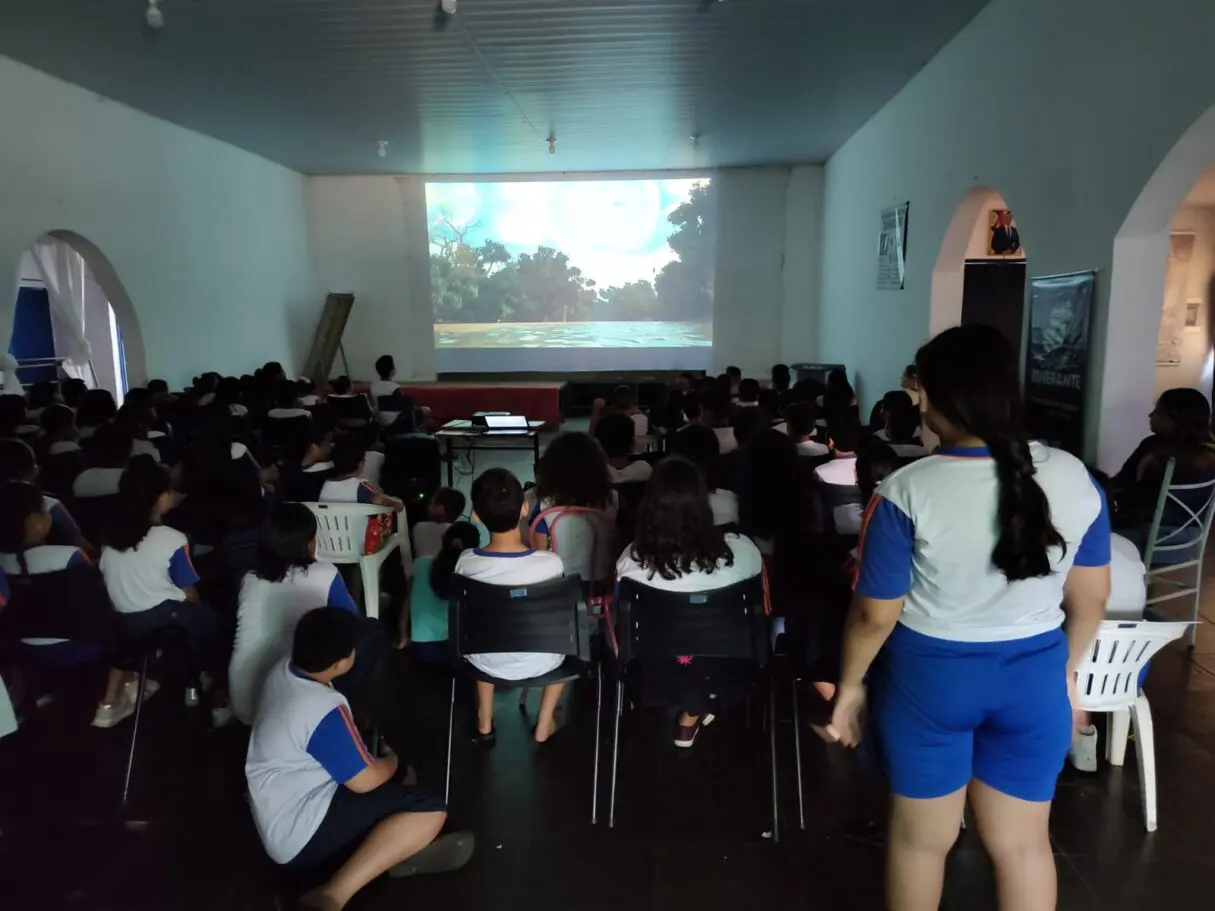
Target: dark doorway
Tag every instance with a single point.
(993, 293)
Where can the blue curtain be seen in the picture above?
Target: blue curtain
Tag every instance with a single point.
(32, 334)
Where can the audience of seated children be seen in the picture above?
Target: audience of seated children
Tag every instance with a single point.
(349, 483)
(109, 452)
(572, 479)
(151, 579)
(228, 395)
(17, 463)
(748, 393)
(287, 403)
(59, 453)
(287, 581)
(137, 419)
(699, 445)
(839, 395)
(431, 591)
(25, 532)
(205, 388)
(800, 425)
(843, 439)
(318, 795)
(41, 396)
(96, 409)
(446, 506)
(875, 462)
(715, 412)
(59, 430)
(72, 392)
(623, 401)
(616, 433)
(498, 504)
(677, 547)
(901, 425)
(782, 378)
(733, 377)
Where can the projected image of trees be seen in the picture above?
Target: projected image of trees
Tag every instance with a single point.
(563, 264)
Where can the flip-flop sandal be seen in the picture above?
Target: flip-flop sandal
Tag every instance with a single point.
(448, 852)
(558, 727)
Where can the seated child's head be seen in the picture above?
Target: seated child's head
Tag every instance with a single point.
(690, 406)
(734, 374)
(17, 462)
(136, 417)
(781, 377)
(72, 391)
(287, 540)
(800, 418)
(385, 366)
(874, 463)
(320, 445)
(498, 502)
(144, 496)
(615, 432)
(12, 414)
(208, 382)
(324, 641)
(843, 431)
(715, 409)
(59, 423)
(286, 394)
(447, 505)
(700, 446)
(228, 391)
(273, 371)
(341, 386)
(748, 390)
(890, 401)
(111, 446)
(902, 418)
(747, 422)
(623, 398)
(158, 388)
(43, 394)
(96, 407)
(348, 456)
(573, 472)
(24, 519)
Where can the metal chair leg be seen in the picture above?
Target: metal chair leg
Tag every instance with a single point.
(143, 677)
(451, 721)
(797, 756)
(772, 751)
(615, 752)
(598, 725)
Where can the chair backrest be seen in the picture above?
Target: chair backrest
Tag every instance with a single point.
(341, 529)
(546, 617)
(1108, 678)
(586, 540)
(69, 604)
(354, 408)
(727, 622)
(1182, 521)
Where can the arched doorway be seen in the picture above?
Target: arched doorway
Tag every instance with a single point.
(1140, 288)
(979, 276)
(73, 314)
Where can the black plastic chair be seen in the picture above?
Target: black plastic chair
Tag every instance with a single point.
(729, 622)
(547, 617)
(352, 411)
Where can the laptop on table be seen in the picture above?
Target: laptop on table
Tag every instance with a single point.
(502, 425)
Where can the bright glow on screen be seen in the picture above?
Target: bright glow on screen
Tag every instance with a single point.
(572, 275)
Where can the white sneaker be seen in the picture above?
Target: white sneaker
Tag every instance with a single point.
(130, 689)
(108, 715)
(1084, 750)
(221, 716)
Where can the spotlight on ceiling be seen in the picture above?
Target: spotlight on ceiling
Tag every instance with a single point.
(155, 18)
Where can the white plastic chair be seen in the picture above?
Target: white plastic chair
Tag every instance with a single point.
(341, 530)
(1179, 547)
(1108, 681)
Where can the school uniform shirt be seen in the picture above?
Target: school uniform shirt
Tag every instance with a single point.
(144, 447)
(908, 450)
(428, 538)
(288, 413)
(304, 746)
(524, 568)
(633, 472)
(930, 530)
(748, 562)
(97, 482)
(725, 439)
(848, 518)
(1128, 586)
(63, 527)
(146, 576)
(44, 558)
(348, 490)
(811, 448)
(724, 504)
(266, 616)
(840, 471)
(427, 611)
(382, 387)
(309, 401)
(59, 447)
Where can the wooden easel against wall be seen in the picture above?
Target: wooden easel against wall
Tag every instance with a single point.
(328, 341)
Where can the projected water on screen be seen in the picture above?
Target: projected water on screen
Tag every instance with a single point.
(613, 264)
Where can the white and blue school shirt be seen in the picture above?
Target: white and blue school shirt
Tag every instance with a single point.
(63, 527)
(97, 482)
(811, 449)
(266, 616)
(304, 747)
(523, 568)
(348, 490)
(930, 530)
(151, 573)
(839, 472)
(39, 560)
(748, 563)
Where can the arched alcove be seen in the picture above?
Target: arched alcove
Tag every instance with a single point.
(1137, 282)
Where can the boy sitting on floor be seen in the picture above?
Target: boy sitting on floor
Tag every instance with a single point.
(498, 504)
(445, 507)
(318, 795)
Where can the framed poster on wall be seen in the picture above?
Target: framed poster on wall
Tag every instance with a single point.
(892, 248)
(1056, 358)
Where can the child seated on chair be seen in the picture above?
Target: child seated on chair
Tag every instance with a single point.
(445, 507)
(318, 795)
(498, 504)
(59, 430)
(17, 464)
(25, 529)
(874, 464)
(349, 484)
(800, 425)
(699, 446)
(573, 472)
(108, 456)
(624, 401)
(431, 591)
(616, 434)
(287, 402)
(901, 425)
(843, 439)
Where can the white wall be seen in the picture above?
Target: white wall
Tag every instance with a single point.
(1103, 92)
(209, 242)
(1194, 371)
(369, 237)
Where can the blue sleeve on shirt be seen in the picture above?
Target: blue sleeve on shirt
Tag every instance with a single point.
(366, 493)
(337, 746)
(339, 595)
(63, 525)
(1094, 549)
(887, 544)
(181, 570)
(79, 559)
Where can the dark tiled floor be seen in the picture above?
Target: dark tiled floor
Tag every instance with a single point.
(690, 828)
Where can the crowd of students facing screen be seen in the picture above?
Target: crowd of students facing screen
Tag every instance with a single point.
(949, 592)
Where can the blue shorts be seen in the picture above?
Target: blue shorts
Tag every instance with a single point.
(949, 712)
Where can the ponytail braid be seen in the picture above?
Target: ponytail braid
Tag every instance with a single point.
(1026, 530)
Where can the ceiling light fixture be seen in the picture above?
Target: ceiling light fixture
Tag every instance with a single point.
(154, 17)
(381, 148)
(552, 143)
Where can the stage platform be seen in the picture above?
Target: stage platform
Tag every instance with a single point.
(452, 401)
